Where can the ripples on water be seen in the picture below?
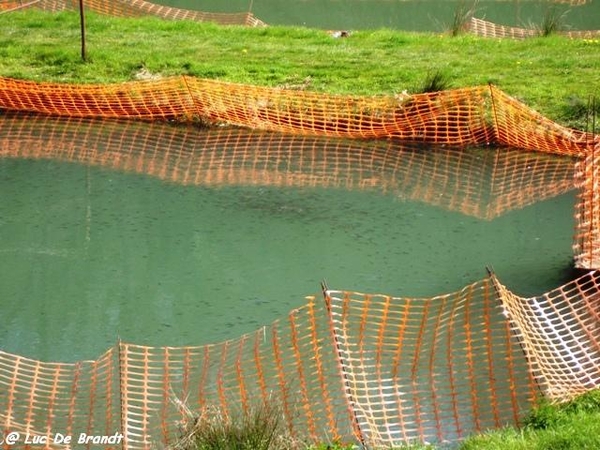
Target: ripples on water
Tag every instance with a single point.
(172, 236)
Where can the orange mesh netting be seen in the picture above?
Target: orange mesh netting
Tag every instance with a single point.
(133, 8)
(560, 333)
(459, 117)
(492, 30)
(484, 184)
(587, 215)
(428, 370)
(361, 367)
(378, 369)
(334, 376)
(41, 399)
(289, 363)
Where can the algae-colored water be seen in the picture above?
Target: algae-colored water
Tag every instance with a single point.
(411, 15)
(99, 249)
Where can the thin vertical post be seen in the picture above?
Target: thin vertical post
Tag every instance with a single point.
(342, 365)
(82, 22)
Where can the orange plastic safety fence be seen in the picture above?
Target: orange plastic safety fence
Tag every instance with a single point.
(134, 8)
(380, 369)
(288, 364)
(40, 400)
(151, 395)
(519, 126)
(484, 28)
(484, 184)
(586, 245)
(444, 117)
(383, 370)
(560, 333)
(429, 370)
(459, 117)
(165, 99)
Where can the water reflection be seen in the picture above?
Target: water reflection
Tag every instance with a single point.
(484, 183)
(166, 235)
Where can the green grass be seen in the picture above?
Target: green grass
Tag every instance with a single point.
(544, 73)
(572, 426)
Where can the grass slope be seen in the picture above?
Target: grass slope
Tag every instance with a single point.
(554, 75)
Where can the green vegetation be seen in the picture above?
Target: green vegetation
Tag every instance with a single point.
(434, 82)
(260, 428)
(571, 426)
(462, 16)
(574, 425)
(552, 22)
(545, 73)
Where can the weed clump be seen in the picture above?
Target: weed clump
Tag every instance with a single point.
(261, 427)
(435, 81)
(552, 23)
(461, 18)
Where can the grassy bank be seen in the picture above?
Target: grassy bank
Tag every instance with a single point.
(574, 425)
(571, 426)
(554, 75)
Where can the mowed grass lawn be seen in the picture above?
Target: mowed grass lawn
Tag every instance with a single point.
(554, 75)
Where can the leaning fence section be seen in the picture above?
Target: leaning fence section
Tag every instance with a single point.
(41, 403)
(586, 246)
(444, 117)
(429, 370)
(560, 334)
(288, 365)
(517, 125)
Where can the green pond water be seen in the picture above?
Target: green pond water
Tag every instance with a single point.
(412, 15)
(103, 235)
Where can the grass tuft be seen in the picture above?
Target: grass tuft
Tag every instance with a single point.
(552, 23)
(435, 81)
(261, 427)
(550, 415)
(461, 18)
